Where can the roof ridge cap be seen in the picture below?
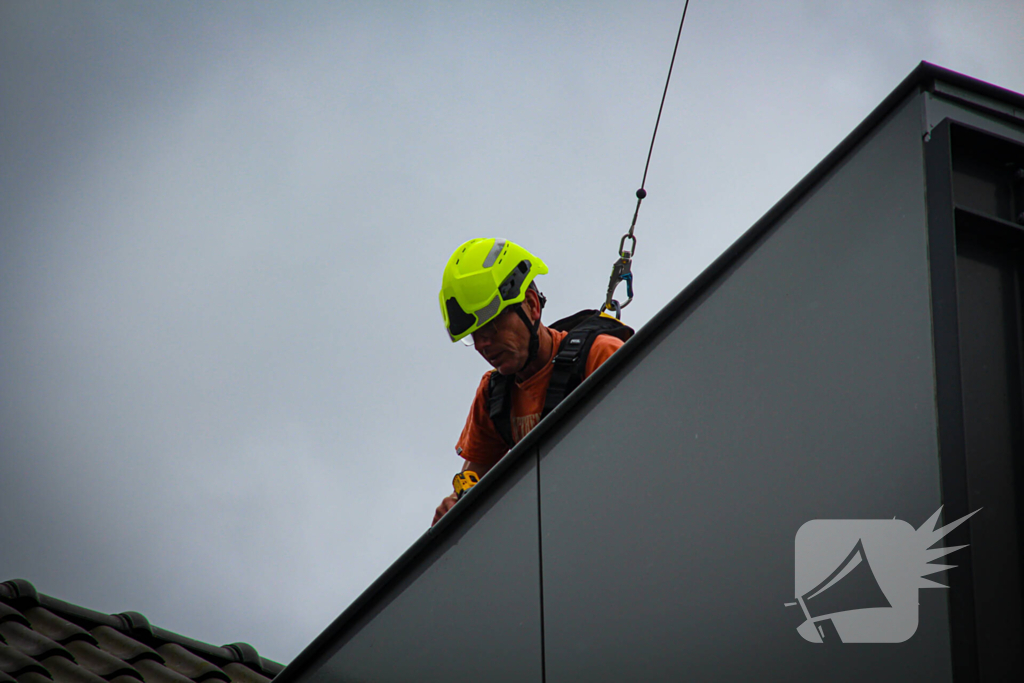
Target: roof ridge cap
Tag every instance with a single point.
(76, 614)
(19, 590)
(240, 652)
(134, 622)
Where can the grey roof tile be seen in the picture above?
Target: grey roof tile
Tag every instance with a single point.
(152, 672)
(38, 634)
(246, 654)
(66, 671)
(190, 665)
(240, 673)
(122, 646)
(54, 627)
(32, 643)
(103, 664)
(8, 613)
(14, 662)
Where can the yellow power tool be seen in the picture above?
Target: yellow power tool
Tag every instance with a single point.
(464, 481)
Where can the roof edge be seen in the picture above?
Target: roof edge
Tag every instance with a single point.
(995, 94)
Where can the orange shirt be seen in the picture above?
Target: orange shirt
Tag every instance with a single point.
(480, 441)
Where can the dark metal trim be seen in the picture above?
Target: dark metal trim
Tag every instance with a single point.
(995, 225)
(540, 558)
(948, 392)
(1012, 113)
(973, 86)
(921, 78)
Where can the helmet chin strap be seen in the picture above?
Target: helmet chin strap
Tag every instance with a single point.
(532, 326)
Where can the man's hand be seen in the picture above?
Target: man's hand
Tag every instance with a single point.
(446, 505)
(450, 501)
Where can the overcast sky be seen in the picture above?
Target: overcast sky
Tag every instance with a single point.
(227, 399)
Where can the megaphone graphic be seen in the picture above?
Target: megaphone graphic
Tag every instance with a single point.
(851, 586)
(861, 601)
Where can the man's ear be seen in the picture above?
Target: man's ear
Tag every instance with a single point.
(532, 302)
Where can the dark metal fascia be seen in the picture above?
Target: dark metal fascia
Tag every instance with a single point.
(922, 78)
(950, 435)
(983, 97)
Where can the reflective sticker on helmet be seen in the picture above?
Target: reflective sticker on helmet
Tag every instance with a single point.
(499, 244)
(488, 311)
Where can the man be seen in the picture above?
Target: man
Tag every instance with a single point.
(488, 295)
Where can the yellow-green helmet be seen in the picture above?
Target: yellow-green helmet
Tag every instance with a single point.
(484, 277)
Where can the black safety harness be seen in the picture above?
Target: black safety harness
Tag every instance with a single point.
(570, 363)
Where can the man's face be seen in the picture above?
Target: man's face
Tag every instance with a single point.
(504, 342)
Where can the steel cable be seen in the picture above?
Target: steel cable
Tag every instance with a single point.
(621, 269)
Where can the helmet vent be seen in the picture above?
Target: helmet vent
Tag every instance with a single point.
(512, 285)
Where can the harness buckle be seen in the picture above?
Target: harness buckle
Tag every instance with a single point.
(571, 347)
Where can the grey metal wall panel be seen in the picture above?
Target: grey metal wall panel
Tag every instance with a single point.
(800, 388)
(469, 610)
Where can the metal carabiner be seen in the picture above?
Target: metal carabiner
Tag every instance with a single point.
(620, 271)
(622, 243)
(615, 307)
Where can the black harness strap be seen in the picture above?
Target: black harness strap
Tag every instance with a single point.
(499, 404)
(532, 326)
(570, 364)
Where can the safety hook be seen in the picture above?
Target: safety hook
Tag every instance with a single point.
(620, 272)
